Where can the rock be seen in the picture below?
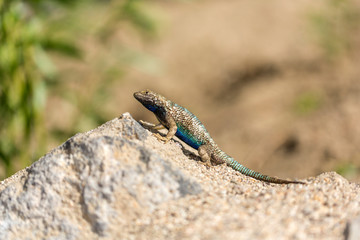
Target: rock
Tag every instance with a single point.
(93, 180)
(119, 182)
(352, 231)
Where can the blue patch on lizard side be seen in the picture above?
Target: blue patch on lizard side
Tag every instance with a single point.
(189, 140)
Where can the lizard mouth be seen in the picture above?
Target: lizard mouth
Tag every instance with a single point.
(137, 95)
(143, 98)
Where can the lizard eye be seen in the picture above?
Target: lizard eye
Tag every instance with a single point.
(146, 91)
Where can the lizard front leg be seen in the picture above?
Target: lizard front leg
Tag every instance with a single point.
(172, 130)
(158, 126)
(170, 134)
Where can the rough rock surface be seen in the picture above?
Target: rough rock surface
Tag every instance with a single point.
(119, 182)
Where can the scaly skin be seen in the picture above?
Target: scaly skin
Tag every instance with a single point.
(182, 123)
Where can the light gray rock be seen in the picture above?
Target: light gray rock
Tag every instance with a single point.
(73, 191)
(352, 231)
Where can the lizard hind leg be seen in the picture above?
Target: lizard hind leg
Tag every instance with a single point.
(204, 155)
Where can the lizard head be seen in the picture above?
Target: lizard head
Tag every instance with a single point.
(151, 100)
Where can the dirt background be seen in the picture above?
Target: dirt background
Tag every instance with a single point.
(254, 74)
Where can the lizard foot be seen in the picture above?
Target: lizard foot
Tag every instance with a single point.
(161, 138)
(206, 164)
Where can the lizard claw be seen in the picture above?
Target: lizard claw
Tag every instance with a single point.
(161, 138)
(142, 122)
(206, 164)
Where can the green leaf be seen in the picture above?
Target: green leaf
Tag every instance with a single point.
(44, 63)
(65, 47)
(133, 11)
(307, 103)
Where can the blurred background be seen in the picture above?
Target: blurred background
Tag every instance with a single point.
(276, 82)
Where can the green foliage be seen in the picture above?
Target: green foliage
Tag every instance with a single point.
(62, 46)
(22, 89)
(134, 12)
(307, 103)
(334, 26)
(28, 32)
(348, 170)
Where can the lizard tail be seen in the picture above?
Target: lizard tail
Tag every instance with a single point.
(248, 172)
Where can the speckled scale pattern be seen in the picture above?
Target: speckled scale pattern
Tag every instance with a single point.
(190, 129)
(193, 132)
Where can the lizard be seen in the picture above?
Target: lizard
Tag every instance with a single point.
(186, 126)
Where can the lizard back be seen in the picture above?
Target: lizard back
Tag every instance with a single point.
(190, 129)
